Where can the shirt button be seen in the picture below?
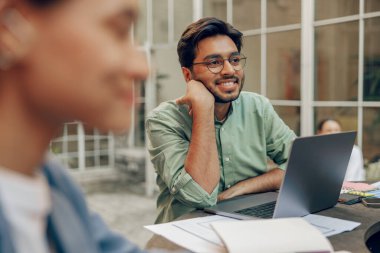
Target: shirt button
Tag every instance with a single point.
(227, 159)
(173, 190)
(222, 129)
(229, 186)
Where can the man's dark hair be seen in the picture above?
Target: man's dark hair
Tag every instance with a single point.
(197, 31)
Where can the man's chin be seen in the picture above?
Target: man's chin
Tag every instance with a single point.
(226, 99)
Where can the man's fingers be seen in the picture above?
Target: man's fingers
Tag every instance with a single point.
(180, 101)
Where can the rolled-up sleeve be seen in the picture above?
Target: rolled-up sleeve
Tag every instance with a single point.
(279, 137)
(168, 143)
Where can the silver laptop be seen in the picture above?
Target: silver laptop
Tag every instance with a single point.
(312, 182)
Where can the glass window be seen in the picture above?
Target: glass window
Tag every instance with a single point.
(283, 65)
(168, 75)
(183, 16)
(291, 116)
(104, 160)
(90, 162)
(89, 145)
(371, 82)
(347, 116)
(72, 146)
(140, 27)
(160, 21)
(372, 5)
(241, 20)
(283, 12)
(251, 50)
(103, 143)
(325, 9)
(371, 136)
(215, 8)
(139, 118)
(336, 62)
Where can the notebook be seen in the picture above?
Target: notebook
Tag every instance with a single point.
(312, 182)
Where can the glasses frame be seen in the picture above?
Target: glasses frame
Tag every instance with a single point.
(236, 68)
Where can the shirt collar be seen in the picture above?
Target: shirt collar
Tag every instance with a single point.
(234, 104)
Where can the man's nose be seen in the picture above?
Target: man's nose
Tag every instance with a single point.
(227, 68)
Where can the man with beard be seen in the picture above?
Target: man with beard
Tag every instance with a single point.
(213, 143)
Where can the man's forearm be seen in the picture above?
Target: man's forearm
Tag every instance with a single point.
(202, 159)
(266, 182)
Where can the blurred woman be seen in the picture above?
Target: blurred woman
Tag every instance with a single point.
(355, 169)
(60, 61)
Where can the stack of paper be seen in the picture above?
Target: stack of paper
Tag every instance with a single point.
(272, 236)
(216, 234)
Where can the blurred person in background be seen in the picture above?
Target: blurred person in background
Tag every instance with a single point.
(355, 169)
(60, 61)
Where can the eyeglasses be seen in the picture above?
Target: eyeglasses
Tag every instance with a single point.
(216, 65)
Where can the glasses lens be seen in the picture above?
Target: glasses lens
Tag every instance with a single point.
(237, 61)
(215, 65)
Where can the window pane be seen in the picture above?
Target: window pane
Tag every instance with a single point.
(283, 65)
(103, 143)
(168, 74)
(325, 9)
(371, 136)
(140, 27)
(215, 8)
(72, 146)
(139, 117)
(90, 161)
(246, 22)
(160, 21)
(291, 116)
(372, 60)
(103, 160)
(347, 116)
(251, 50)
(183, 16)
(372, 5)
(89, 145)
(336, 62)
(284, 12)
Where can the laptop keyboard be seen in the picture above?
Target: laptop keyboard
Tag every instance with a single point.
(263, 211)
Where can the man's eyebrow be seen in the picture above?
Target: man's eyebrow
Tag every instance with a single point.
(212, 56)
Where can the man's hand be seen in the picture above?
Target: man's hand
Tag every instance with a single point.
(196, 97)
(269, 181)
(202, 158)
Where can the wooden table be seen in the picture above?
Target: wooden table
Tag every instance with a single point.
(353, 241)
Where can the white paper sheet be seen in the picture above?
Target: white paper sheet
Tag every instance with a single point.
(330, 226)
(201, 227)
(198, 236)
(193, 234)
(272, 236)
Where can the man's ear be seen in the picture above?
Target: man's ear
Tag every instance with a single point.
(16, 34)
(187, 74)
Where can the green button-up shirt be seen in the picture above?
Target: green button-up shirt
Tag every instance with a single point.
(251, 133)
